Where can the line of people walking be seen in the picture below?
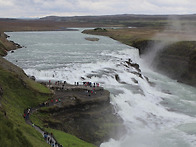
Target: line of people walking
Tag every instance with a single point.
(91, 84)
(49, 138)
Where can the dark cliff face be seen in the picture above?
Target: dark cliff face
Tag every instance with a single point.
(90, 118)
(176, 60)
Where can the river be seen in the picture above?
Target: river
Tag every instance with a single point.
(158, 115)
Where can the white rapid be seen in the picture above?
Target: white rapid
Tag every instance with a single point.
(159, 113)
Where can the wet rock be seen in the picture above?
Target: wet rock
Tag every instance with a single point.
(151, 83)
(93, 75)
(82, 78)
(100, 30)
(32, 78)
(166, 91)
(134, 80)
(16, 44)
(137, 74)
(134, 65)
(92, 39)
(118, 79)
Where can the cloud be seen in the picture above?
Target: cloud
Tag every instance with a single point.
(5, 3)
(39, 8)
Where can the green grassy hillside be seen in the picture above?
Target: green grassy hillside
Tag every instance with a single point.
(17, 93)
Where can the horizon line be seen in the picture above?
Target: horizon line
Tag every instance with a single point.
(31, 18)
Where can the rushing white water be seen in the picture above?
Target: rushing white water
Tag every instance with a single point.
(163, 115)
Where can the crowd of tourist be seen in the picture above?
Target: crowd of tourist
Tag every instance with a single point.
(49, 138)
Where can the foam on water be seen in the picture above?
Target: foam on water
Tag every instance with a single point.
(158, 116)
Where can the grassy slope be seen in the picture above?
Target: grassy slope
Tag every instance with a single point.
(5, 45)
(11, 136)
(2, 49)
(19, 92)
(126, 35)
(69, 140)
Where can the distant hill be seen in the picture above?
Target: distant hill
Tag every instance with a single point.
(118, 17)
(55, 23)
(125, 19)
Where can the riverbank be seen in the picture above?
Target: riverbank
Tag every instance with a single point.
(172, 52)
(6, 45)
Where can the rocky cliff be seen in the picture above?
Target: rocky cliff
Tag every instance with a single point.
(175, 59)
(6, 45)
(89, 116)
(178, 61)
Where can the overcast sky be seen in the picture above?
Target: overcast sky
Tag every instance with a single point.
(40, 8)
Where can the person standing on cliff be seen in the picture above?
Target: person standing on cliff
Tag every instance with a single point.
(48, 139)
(24, 115)
(29, 110)
(45, 136)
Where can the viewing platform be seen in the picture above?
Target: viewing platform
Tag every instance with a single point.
(67, 95)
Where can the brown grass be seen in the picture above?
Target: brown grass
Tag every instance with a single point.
(129, 35)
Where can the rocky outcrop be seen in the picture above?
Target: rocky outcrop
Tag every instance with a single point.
(85, 114)
(94, 123)
(6, 65)
(176, 60)
(6, 45)
(92, 39)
